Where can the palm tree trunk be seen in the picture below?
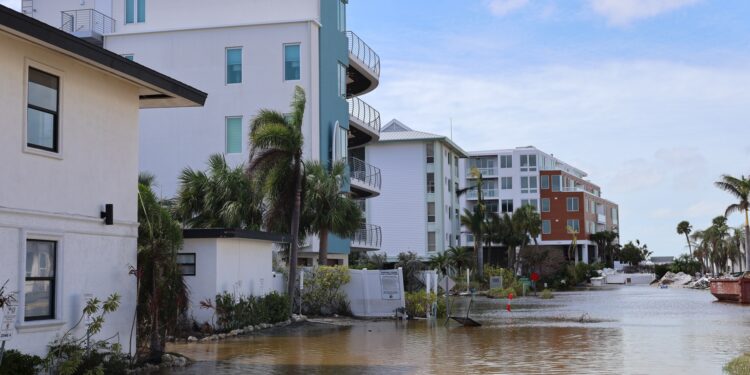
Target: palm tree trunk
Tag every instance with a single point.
(747, 246)
(690, 247)
(480, 257)
(294, 248)
(323, 251)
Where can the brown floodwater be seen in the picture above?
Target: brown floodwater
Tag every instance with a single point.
(621, 330)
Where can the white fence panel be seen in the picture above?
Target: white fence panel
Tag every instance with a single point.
(375, 293)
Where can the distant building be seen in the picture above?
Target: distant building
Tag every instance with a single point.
(661, 260)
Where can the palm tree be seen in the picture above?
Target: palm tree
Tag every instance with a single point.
(222, 197)
(441, 262)
(701, 248)
(411, 266)
(276, 144)
(511, 233)
(685, 228)
(459, 257)
(605, 242)
(474, 219)
(327, 209)
(740, 189)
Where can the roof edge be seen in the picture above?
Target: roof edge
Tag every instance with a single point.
(234, 233)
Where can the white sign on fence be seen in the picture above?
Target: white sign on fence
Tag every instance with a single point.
(389, 284)
(8, 322)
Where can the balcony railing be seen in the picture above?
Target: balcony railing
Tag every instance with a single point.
(364, 113)
(489, 171)
(486, 194)
(86, 20)
(363, 52)
(366, 173)
(369, 236)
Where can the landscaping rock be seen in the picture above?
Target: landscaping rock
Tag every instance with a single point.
(192, 339)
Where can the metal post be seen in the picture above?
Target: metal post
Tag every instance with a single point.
(2, 352)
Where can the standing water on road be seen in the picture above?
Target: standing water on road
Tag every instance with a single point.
(622, 330)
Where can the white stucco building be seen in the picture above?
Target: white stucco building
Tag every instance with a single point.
(69, 148)
(418, 208)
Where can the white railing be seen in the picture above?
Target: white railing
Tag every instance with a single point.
(363, 52)
(368, 236)
(486, 193)
(365, 113)
(489, 171)
(366, 173)
(83, 20)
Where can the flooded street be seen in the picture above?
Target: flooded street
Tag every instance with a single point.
(623, 330)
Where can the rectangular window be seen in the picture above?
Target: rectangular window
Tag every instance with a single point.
(532, 162)
(341, 15)
(234, 65)
(186, 264)
(129, 11)
(42, 117)
(530, 202)
(291, 62)
(556, 183)
(506, 161)
(430, 183)
(491, 206)
(507, 206)
(430, 212)
(532, 184)
(39, 287)
(524, 163)
(524, 184)
(234, 135)
(545, 205)
(545, 182)
(141, 10)
(546, 227)
(455, 160)
(574, 226)
(135, 10)
(430, 152)
(572, 203)
(431, 241)
(342, 80)
(506, 183)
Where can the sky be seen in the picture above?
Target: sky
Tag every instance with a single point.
(648, 96)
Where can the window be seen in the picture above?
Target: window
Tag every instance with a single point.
(39, 285)
(545, 204)
(506, 161)
(532, 184)
(431, 241)
(342, 80)
(528, 163)
(430, 183)
(291, 62)
(556, 183)
(545, 182)
(340, 142)
(491, 206)
(129, 56)
(572, 203)
(341, 15)
(430, 152)
(135, 10)
(506, 183)
(507, 206)
(42, 114)
(430, 212)
(574, 225)
(593, 206)
(455, 162)
(532, 162)
(233, 135)
(186, 264)
(234, 65)
(528, 184)
(546, 227)
(530, 202)
(455, 187)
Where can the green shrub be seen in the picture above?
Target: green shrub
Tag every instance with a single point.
(509, 278)
(685, 263)
(580, 273)
(419, 302)
(277, 307)
(504, 292)
(322, 294)
(16, 363)
(237, 312)
(546, 294)
(739, 365)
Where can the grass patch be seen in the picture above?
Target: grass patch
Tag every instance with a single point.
(739, 365)
(546, 294)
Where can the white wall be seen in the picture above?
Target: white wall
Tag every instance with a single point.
(59, 197)
(365, 293)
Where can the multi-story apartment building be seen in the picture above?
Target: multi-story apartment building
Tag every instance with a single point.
(418, 207)
(569, 204)
(248, 55)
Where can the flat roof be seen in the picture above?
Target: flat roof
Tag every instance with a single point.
(156, 89)
(234, 233)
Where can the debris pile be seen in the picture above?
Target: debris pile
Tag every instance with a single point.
(675, 279)
(702, 283)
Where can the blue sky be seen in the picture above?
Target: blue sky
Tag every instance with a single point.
(648, 96)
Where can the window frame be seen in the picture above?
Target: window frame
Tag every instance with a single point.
(432, 216)
(548, 207)
(341, 77)
(506, 206)
(572, 201)
(430, 152)
(54, 295)
(226, 134)
(299, 61)
(58, 154)
(431, 247)
(139, 9)
(544, 182)
(430, 182)
(226, 65)
(509, 159)
(548, 226)
(504, 186)
(576, 227)
(194, 264)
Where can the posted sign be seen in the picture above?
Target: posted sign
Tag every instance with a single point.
(8, 322)
(390, 284)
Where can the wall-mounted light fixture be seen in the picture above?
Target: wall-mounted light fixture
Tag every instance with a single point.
(108, 214)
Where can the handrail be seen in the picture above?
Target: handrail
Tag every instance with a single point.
(486, 193)
(368, 235)
(363, 52)
(361, 171)
(362, 111)
(86, 20)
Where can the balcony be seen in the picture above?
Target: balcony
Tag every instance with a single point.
(369, 237)
(486, 194)
(490, 171)
(87, 24)
(364, 123)
(364, 67)
(364, 178)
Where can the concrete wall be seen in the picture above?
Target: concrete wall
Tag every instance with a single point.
(59, 196)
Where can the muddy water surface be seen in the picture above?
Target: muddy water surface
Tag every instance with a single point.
(624, 330)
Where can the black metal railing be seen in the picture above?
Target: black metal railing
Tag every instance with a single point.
(368, 236)
(363, 52)
(87, 20)
(366, 173)
(365, 113)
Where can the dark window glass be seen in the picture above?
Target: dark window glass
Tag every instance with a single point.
(39, 287)
(186, 263)
(42, 116)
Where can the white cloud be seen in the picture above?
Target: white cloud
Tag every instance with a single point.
(503, 7)
(624, 12)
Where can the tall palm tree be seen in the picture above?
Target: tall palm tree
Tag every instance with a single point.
(685, 228)
(529, 222)
(276, 144)
(459, 257)
(221, 197)
(740, 189)
(511, 234)
(701, 248)
(327, 209)
(474, 219)
(605, 242)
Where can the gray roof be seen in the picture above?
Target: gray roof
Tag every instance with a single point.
(396, 131)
